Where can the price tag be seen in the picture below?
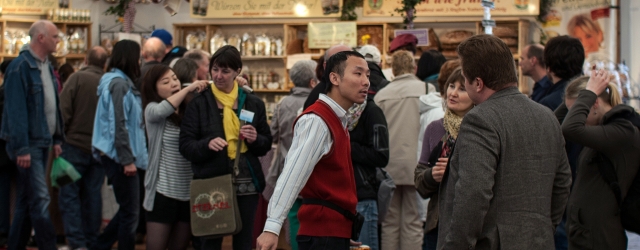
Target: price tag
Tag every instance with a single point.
(246, 116)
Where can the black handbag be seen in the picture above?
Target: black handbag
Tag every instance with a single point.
(357, 218)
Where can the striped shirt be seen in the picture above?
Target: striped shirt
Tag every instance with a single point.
(311, 141)
(174, 175)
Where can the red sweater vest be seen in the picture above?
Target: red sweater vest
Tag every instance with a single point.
(331, 180)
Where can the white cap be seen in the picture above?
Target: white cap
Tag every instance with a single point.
(370, 53)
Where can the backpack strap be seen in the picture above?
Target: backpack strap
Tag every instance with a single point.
(608, 173)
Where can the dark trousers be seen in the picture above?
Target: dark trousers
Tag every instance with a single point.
(80, 202)
(122, 227)
(430, 240)
(32, 204)
(142, 217)
(7, 175)
(322, 243)
(248, 205)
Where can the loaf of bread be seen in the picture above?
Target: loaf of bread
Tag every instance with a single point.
(455, 37)
(501, 32)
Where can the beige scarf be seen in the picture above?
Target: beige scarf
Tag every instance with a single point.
(452, 123)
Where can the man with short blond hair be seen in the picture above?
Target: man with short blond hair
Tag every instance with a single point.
(31, 126)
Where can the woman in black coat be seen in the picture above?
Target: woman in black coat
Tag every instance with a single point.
(209, 139)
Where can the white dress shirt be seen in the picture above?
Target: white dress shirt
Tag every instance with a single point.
(311, 141)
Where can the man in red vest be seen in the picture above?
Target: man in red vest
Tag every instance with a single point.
(318, 165)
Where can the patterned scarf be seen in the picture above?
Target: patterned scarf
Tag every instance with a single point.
(452, 123)
(230, 121)
(354, 113)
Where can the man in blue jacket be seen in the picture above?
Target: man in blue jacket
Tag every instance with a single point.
(31, 125)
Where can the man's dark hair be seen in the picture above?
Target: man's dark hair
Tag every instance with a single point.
(226, 57)
(126, 57)
(185, 70)
(488, 58)
(564, 56)
(337, 63)
(429, 64)
(97, 57)
(537, 52)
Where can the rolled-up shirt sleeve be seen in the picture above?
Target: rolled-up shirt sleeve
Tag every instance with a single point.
(311, 141)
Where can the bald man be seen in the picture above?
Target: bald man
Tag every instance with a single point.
(321, 88)
(153, 51)
(532, 65)
(31, 126)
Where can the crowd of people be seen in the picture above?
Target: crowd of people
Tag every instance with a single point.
(475, 163)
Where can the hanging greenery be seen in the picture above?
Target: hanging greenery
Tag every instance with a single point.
(545, 7)
(125, 12)
(117, 10)
(349, 10)
(408, 12)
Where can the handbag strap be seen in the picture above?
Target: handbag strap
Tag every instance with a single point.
(344, 212)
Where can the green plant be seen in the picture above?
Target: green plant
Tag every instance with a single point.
(408, 12)
(545, 6)
(118, 10)
(349, 10)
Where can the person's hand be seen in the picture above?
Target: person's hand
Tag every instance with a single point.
(267, 241)
(198, 86)
(354, 243)
(438, 170)
(241, 81)
(598, 81)
(217, 144)
(130, 169)
(249, 132)
(24, 161)
(57, 150)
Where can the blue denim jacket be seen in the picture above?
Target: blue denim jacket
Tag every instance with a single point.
(104, 126)
(24, 122)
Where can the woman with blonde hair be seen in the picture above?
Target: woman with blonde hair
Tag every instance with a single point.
(594, 117)
(588, 31)
(400, 103)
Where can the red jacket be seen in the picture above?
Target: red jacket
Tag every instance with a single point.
(331, 180)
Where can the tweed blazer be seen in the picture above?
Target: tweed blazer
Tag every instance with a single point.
(508, 180)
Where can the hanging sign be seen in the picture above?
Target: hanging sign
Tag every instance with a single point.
(325, 35)
(29, 7)
(452, 8)
(421, 34)
(264, 8)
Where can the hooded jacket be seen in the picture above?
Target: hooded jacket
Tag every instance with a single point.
(431, 109)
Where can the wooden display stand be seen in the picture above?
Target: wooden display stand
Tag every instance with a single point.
(24, 24)
(381, 36)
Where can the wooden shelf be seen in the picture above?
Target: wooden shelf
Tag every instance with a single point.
(74, 56)
(63, 26)
(261, 57)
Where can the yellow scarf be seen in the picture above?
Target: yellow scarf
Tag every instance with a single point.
(230, 122)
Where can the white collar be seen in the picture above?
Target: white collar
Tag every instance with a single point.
(340, 112)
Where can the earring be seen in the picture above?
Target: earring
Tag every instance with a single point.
(595, 112)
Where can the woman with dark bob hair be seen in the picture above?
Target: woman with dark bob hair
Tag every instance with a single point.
(209, 137)
(119, 138)
(168, 178)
